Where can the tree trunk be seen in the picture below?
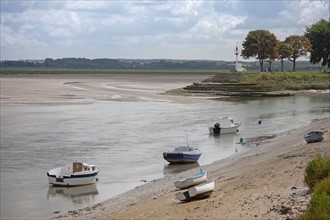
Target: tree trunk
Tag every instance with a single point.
(261, 65)
(282, 61)
(294, 65)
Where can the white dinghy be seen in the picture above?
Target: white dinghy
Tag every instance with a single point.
(193, 180)
(75, 174)
(200, 191)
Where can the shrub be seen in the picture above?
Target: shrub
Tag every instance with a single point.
(319, 206)
(316, 170)
(323, 186)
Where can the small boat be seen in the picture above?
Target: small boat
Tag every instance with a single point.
(75, 174)
(225, 125)
(193, 180)
(314, 136)
(201, 191)
(183, 154)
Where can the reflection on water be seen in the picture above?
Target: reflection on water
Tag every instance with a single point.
(126, 141)
(177, 168)
(78, 194)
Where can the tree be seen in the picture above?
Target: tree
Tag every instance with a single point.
(319, 36)
(259, 44)
(284, 52)
(300, 46)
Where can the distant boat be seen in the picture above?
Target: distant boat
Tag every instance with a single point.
(193, 180)
(75, 174)
(314, 136)
(225, 125)
(183, 154)
(201, 191)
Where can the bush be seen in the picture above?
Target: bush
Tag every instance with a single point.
(323, 186)
(316, 170)
(319, 206)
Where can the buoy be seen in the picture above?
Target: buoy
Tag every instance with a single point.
(259, 122)
(241, 140)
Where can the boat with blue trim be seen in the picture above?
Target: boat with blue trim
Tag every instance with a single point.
(183, 154)
(74, 174)
(314, 136)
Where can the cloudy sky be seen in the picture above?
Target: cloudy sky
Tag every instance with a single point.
(174, 29)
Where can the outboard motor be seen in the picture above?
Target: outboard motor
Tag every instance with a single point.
(216, 128)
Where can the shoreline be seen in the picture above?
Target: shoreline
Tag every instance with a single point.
(266, 181)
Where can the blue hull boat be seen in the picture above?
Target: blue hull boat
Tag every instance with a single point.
(314, 136)
(183, 154)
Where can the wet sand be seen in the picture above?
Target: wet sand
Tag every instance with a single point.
(86, 88)
(264, 182)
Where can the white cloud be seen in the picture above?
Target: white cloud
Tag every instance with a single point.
(146, 29)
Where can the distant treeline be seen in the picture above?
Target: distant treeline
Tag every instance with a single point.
(149, 64)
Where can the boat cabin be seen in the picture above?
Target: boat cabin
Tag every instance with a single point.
(226, 122)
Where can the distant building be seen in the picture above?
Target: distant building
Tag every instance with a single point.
(238, 66)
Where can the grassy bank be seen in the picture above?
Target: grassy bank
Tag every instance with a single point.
(288, 80)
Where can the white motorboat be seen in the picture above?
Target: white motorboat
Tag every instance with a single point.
(193, 180)
(225, 125)
(75, 174)
(200, 191)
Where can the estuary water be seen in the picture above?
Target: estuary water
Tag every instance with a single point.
(125, 140)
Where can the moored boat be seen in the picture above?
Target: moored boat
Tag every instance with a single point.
(74, 174)
(183, 154)
(225, 125)
(193, 180)
(314, 136)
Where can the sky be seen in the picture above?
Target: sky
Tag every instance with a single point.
(177, 29)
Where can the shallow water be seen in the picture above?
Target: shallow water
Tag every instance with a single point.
(125, 140)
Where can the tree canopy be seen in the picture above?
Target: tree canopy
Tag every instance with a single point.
(300, 47)
(260, 44)
(319, 36)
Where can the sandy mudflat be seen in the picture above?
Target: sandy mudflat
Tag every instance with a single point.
(86, 88)
(265, 182)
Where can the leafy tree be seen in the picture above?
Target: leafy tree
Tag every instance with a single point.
(300, 47)
(319, 36)
(260, 44)
(284, 52)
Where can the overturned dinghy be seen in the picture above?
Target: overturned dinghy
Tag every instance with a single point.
(314, 136)
(200, 191)
(193, 180)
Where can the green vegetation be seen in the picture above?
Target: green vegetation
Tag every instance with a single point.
(319, 36)
(317, 177)
(316, 170)
(288, 80)
(265, 47)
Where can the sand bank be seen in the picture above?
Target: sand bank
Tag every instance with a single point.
(86, 88)
(264, 182)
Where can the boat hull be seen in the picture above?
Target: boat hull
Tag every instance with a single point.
(314, 136)
(228, 130)
(201, 191)
(56, 178)
(193, 180)
(178, 158)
